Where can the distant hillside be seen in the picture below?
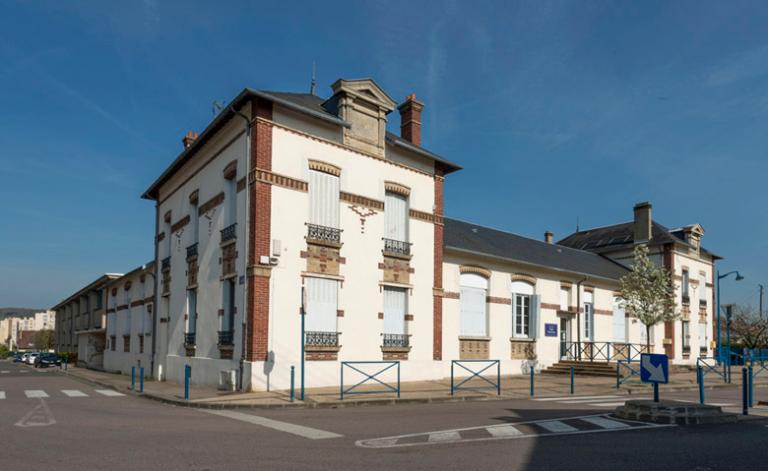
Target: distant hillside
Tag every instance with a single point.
(4, 311)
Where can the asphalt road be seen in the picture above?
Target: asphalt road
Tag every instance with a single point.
(51, 421)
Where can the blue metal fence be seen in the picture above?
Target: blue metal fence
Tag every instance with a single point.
(369, 377)
(709, 366)
(625, 371)
(476, 374)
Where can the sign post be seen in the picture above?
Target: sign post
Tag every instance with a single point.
(654, 368)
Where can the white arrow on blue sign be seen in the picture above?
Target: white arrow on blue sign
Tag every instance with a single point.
(654, 368)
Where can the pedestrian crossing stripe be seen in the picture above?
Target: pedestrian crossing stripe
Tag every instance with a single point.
(39, 393)
(517, 430)
(575, 398)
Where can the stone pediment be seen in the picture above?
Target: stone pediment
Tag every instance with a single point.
(364, 106)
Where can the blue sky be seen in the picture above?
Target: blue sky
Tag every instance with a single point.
(560, 110)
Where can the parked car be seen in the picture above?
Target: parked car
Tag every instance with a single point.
(31, 357)
(18, 357)
(44, 360)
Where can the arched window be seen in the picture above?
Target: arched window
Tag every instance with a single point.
(474, 289)
(619, 321)
(525, 306)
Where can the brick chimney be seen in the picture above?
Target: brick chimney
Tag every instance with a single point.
(643, 222)
(548, 236)
(410, 119)
(189, 139)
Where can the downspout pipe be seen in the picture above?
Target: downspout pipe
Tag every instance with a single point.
(154, 307)
(248, 129)
(578, 317)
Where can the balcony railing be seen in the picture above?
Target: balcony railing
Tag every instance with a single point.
(397, 247)
(323, 233)
(321, 339)
(395, 340)
(686, 299)
(192, 250)
(189, 338)
(165, 264)
(702, 303)
(229, 233)
(226, 337)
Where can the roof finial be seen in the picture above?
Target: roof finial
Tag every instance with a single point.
(313, 84)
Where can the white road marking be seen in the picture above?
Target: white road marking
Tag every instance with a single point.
(602, 422)
(300, 430)
(504, 431)
(582, 401)
(720, 404)
(450, 436)
(39, 416)
(573, 398)
(4, 372)
(33, 393)
(609, 404)
(556, 426)
(423, 439)
(109, 392)
(2, 394)
(24, 371)
(74, 393)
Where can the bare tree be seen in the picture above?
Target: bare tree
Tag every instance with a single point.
(747, 328)
(648, 293)
(44, 340)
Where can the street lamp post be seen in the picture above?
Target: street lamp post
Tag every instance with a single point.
(719, 343)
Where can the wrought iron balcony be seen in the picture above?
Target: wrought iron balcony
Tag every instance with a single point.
(321, 339)
(397, 247)
(226, 337)
(702, 303)
(165, 264)
(189, 338)
(686, 299)
(396, 340)
(229, 233)
(192, 250)
(323, 233)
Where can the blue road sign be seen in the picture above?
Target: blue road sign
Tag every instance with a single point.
(654, 368)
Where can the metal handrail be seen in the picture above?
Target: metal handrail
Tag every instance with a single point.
(395, 340)
(323, 233)
(229, 233)
(226, 337)
(397, 246)
(321, 339)
(192, 250)
(477, 374)
(369, 377)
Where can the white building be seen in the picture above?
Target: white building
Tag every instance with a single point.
(130, 320)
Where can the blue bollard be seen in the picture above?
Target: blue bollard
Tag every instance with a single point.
(531, 380)
(751, 386)
(572, 380)
(744, 387)
(700, 380)
(293, 392)
(141, 379)
(133, 378)
(187, 375)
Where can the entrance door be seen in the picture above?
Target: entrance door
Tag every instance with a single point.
(565, 331)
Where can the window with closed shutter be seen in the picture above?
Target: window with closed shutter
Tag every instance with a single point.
(394, 310)
(619, 321)
(396, 217)
(323, 199)
(473, 305)
(565, 295)
(322, 304)
(702, 288)
(191, 311)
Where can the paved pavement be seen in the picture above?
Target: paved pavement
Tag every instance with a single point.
(56, 427)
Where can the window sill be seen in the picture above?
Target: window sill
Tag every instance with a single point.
(395, 349)
(322, 348)
(521, 339)
(325, 243)
(474, 337)
(397, 255)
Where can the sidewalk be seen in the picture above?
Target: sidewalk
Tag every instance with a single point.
(512, 387)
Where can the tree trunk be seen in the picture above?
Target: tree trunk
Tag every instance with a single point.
(648, 338)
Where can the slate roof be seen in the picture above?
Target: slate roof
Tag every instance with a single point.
(471, 238)
(609, 238)
(305, 103)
